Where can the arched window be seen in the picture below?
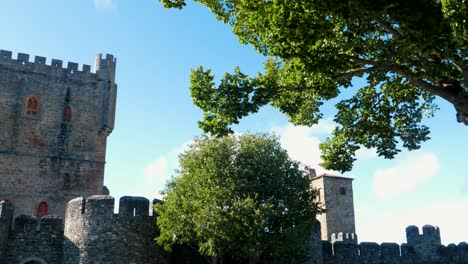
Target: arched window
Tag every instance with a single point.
(32, 104)
(319, 194)
(67, 114)
(42, 209)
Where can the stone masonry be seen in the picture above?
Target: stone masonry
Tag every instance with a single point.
(336, 195)
(54, 124)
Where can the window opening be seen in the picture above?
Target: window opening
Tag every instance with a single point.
(342, 191)
(42, 210)
(67, 114)
(32, 105)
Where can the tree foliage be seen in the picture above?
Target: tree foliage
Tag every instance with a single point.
(238, 194)
(408, 51)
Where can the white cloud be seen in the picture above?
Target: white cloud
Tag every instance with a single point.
(415, 170)
(301, 143)
(390, 226)
(157, 170)
(366, 154)
(157, 173)
(324, 126)
(104, 4)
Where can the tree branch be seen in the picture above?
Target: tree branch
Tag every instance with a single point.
(462, 68)
(388, 27)
(353, 72)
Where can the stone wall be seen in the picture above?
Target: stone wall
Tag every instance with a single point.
(34, 238)
(94, 234)
(390, 253)
(46, 157)
(419, 249)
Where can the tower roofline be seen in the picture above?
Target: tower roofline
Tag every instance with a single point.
(331, 176)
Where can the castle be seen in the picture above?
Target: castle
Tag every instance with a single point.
(54, 125)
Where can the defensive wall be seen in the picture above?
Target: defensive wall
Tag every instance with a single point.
(93, 233)
(58, 153)
(419, 249)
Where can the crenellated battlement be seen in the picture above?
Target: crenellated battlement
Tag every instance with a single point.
(28, 223)
(344, 237)
(429, 233)
(133, 206)
(426, 243)
(104, 68)
(371, 252)
(92, 227)
(102, 206)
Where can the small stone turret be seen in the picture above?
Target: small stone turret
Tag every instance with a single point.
(425, 244)
(105, 69)
(94, 234)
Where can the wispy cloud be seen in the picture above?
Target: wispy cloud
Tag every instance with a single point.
(158, 172)
(415, 170)
(104, 4)
(302, 142)
(366, 154)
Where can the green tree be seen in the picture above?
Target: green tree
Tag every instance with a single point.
(408, 51)
(238, 194)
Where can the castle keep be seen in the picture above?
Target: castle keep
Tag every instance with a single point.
(54, 209)
(54, 127)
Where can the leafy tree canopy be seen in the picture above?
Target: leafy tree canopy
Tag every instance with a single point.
(408, 51)
(241, 194)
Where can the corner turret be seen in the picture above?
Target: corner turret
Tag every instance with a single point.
(105, 67)
(425, 244)
(105, 70)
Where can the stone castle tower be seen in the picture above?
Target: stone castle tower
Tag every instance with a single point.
(54, 124)
(336, 195)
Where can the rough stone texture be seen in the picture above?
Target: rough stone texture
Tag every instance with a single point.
(348, 252)
(94, 234)
(45, 158)
(6, 218)
(35, 238)
(425, 244)
(336, 194)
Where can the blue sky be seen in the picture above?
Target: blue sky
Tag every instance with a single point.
(155, 50)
